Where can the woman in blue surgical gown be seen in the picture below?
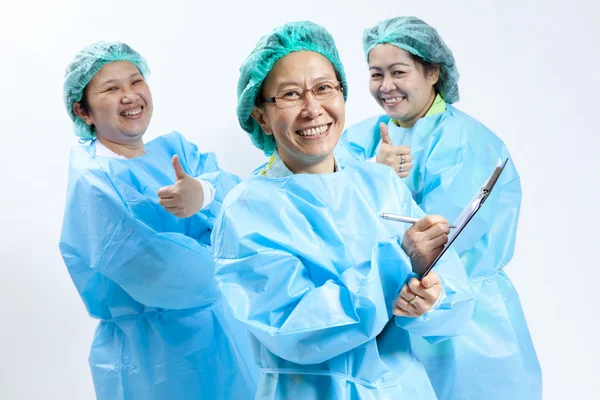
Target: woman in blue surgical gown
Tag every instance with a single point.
(301, 254)
(444, 157)
(136, 241)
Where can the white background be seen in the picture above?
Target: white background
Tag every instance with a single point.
(528, 71)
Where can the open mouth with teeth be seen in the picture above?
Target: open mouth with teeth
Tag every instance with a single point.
(314, 132)
(132, 113)
(393, 101)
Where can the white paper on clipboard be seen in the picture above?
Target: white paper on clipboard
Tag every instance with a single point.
(470, 210)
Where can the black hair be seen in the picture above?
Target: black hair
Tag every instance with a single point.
(428, 69)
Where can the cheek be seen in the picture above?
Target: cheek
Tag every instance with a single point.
(340, 112)
(280, 121)
(100, 109)
(422, 86)
(110, 104)
(337, 112)
(403, 83)
(147, 95)
(281, 128)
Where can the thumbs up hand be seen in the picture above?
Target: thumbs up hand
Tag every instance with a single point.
(185, 197)
(397, 157)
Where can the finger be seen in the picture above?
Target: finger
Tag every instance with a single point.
(407, 158)
(406, 171)
(179, 172)
(436, 251)
(403, 169)
(166, 192)
(435, 231)
(405, 305)
(406, 293)
(397, 311)
(427, 296)
(169, 202)
(427, 222)
(407, 166)
(421, 306)
(430, 287)
(431, 280)
(401, 151)
(427, 282)
(385, 136)
(437, 242)
(414, 285)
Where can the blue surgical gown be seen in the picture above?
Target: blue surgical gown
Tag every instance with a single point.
(453, 155)
(165, 332)
(308, 265)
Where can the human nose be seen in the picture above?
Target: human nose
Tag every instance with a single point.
(311, 107)
(129, 96)
(387, 85)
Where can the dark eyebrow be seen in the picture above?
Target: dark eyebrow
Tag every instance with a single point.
(391, 66)
(114, 80)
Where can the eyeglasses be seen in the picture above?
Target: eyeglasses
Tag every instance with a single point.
(295, 97)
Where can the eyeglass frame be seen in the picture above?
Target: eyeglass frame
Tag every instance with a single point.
(273, 100)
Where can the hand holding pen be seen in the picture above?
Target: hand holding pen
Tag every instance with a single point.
(402, 218)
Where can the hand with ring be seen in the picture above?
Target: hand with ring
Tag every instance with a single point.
(418, 297)
(397, 157)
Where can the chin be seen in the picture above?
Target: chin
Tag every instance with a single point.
(395, 115)
(322, 153)
(138, 130)
(133, 135)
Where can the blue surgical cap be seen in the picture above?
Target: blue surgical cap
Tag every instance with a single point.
(83, 68)
(420, 39)
(294, 36)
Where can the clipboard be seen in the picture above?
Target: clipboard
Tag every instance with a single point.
(469, 212)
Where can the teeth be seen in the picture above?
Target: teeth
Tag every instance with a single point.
(394, 100)
(313, 131)
(133, 112)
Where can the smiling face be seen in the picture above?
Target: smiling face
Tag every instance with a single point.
(118, 103)
(307, 133)
(400, 85)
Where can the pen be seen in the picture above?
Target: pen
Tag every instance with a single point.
(401, 218)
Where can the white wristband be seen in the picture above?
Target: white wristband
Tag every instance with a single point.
(209, 192)
(438, 302)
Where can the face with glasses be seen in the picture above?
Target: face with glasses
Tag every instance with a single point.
(302, 106)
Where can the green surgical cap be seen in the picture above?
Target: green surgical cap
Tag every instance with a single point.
(83, 68)
(294, 36)
(418, 38)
